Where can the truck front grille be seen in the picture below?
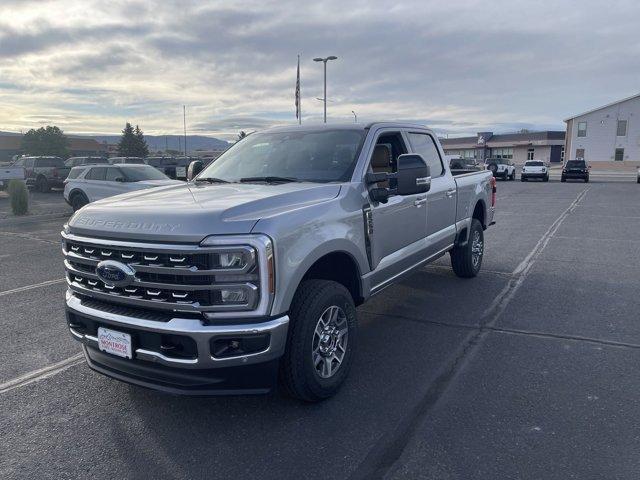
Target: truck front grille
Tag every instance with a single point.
(180, 278)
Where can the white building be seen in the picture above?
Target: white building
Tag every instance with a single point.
(606, 134)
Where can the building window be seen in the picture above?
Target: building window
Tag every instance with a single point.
(622, 128)
(562, 154)
(619, 154)
(502, 153)
(530, 152)
(582, 129)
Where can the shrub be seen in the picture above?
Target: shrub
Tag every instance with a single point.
(19, 197)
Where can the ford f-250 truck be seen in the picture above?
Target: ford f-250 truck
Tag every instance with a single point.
(252, 271)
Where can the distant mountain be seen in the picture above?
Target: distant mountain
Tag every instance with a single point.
(173, 142)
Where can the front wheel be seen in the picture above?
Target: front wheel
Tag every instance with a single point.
(546, 179)
(320, 342)
(42, 184)
(586, 180)
(523, 178)
(466, 260)
(562, 179)
(513, 175)
(78, 200)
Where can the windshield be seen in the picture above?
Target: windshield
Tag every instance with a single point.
(314, 156)
(146, 172)
(534, 164)
(575, 164)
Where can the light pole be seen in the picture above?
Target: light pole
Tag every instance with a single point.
(325, 60)
(355, 117)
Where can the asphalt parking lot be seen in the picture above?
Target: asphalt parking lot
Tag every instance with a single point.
(529, 371)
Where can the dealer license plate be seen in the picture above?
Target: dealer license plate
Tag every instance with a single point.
(116, 343)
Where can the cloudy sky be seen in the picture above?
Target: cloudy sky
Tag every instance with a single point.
(458, 66)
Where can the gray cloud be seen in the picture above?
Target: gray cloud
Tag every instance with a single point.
(458, 67)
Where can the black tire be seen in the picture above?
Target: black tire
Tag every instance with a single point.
(546, 179)
(78, 200)
(462, 258)
(298, 375)
(586, 180)
(523, 178)
(562, 179)
(42, 185)
(513, 176)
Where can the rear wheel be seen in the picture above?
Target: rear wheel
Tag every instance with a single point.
(78, 200)
(42, 185)
(562, 179)
(320, 342)
(466, 260)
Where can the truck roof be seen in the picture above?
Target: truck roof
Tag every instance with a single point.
(341, 126)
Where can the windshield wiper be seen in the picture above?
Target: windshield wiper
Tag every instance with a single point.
(268, 179)
(211, 180)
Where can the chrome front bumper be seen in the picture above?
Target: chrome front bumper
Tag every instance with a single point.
(187, 327)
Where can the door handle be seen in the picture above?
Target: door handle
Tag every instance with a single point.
(450, 193)
(420, 201)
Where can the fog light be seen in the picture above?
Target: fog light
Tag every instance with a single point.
(234, 295)
(234, 347)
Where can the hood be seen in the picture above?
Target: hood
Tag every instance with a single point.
(189, 212)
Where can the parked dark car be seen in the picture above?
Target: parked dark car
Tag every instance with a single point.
(79, 161)
(172, 167)
(126, 160)
(575, 169)
(43, 173)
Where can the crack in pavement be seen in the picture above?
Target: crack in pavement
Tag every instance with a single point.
(380, 460)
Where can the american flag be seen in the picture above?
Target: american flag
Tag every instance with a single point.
(298, 106)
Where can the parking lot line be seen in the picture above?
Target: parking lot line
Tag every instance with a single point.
(381, 458)
(41, 373)
(30, 287)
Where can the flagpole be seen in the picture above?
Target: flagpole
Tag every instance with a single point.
(299, 95)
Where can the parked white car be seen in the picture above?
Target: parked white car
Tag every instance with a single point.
(89, 183)
(8, 173)
(534, 169)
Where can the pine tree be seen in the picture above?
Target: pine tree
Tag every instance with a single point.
(132, 142)
(141, 143)
(127, 144)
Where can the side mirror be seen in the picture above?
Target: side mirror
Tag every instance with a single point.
(413, 174)
(194, 169)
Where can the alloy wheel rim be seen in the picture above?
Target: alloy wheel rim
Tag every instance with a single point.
(330, 338)
(477, 247)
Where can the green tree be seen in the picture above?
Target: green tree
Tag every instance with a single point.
(46, 141)
(132, 142)
(141, 143)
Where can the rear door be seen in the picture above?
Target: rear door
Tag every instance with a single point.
(441, 198)
(396, 229)
(95, 187)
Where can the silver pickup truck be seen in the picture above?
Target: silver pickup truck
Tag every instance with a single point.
(251, 272)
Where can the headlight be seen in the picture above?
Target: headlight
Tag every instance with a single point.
(242, 275)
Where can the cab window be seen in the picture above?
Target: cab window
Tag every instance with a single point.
(423, 144)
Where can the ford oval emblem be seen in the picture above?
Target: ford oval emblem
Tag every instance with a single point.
(115, 273)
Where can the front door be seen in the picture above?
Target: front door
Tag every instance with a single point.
(396, 229)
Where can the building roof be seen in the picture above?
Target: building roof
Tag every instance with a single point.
(604, 106)
(505, 139)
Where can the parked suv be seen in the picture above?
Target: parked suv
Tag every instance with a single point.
(172, 167)
(43, 173)
(501, 167)
(253, 270)
(534, 169)
(77, 161)
(119, 160)
(575, 169)
(89, 183)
